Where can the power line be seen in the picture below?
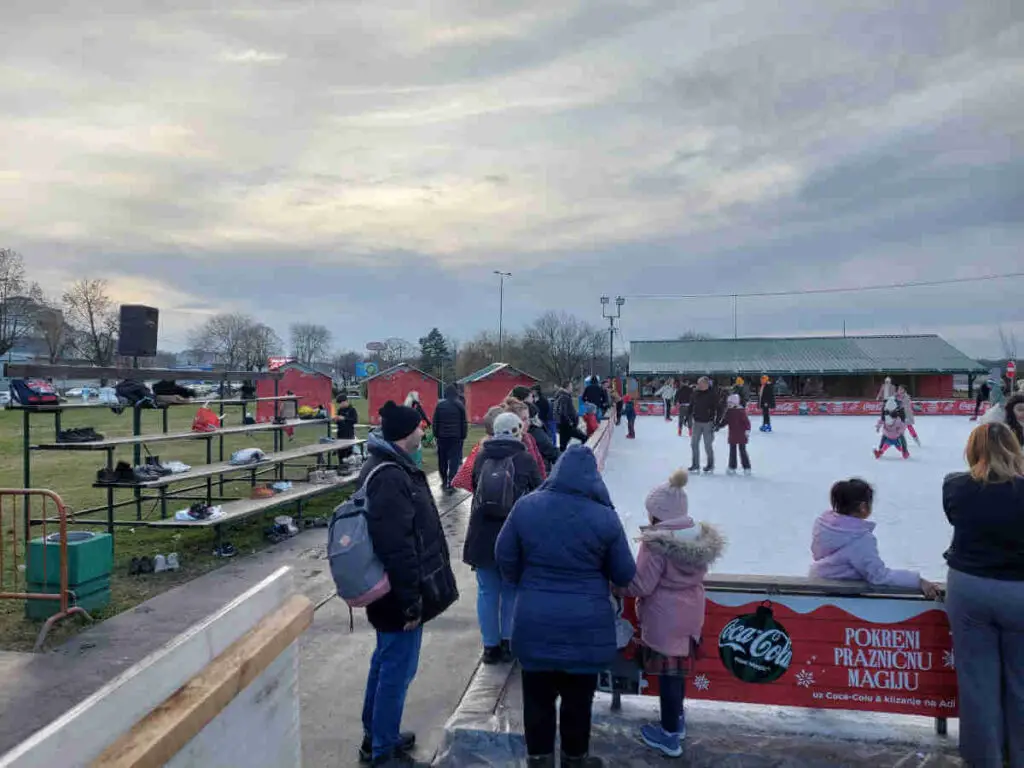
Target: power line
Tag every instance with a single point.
(858, 289)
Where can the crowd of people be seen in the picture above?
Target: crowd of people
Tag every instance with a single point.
(549, 552)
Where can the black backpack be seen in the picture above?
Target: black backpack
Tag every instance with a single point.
(135, 393)
(495, 492)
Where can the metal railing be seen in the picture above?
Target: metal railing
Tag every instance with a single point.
(15, 534)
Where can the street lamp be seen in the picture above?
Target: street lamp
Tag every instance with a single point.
(606, 311)
(501, 305)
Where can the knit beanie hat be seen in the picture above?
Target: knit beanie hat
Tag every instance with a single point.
(508, 425)
(668, 501)
(733, 400)
(520, 393)
(397, 422)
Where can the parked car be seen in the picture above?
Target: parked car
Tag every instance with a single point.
(5, 398)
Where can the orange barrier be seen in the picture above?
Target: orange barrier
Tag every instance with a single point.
(14, 539)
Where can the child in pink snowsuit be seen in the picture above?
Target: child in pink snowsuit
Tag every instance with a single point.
(844, 546)
(675, 553)
(893, 428)
(907, 404)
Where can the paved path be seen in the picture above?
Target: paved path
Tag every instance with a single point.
(35, 689)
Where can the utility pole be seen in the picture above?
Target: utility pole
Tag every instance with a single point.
(501, 307)
(606, 312)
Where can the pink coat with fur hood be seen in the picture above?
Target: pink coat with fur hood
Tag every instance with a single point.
(674, 557)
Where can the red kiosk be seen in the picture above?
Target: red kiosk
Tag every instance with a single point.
(395, 384)
(489, 386)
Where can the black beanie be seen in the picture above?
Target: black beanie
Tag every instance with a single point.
(397, 422)
(521, 393)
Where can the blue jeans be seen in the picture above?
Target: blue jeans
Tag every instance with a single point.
(495, 603)
(392, 669)
(553, 431)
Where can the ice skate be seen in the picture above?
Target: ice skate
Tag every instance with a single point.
(878, 453)
(709, 470)
(679, 431)
(695, 468)
(906, 454)
(747, 473)
(730, 471)
(917, 441)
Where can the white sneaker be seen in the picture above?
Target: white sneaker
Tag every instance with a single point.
(159, 564)
(173, 563)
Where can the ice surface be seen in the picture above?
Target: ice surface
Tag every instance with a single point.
(767, 518)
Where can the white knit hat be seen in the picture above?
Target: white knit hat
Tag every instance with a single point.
(508, 425)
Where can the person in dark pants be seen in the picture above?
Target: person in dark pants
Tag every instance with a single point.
(566, 417)
(544, 412)
(346, 419)
(984, 392)
(450, 430)
(705, 410)
(738, 422)
(595, 395)
(683, 396)
(561, 546)
(405, 528)
(766, 399)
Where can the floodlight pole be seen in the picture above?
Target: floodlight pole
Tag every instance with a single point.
(501, 307)
(606, 312)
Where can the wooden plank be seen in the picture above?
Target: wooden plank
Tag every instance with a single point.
(196, 402)
(789, 585)
(158, 737)
(81, 734)
(243, 508)
(25, 370)
(160, 437)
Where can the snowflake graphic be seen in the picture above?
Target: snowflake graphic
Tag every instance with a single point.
(701, 682)
(948, 659)
(804, 678)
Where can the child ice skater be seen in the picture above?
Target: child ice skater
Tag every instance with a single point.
(590, 418)
(907, 403)
(738, 422)
(629, 411)
(844, 546)
(675, 554)
(893, 427)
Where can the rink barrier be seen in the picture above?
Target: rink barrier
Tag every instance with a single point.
(223, 692)
(812, 643)
(823, 407)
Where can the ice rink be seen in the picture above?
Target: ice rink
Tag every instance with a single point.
(767, 517)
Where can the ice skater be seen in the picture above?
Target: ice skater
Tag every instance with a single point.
(683, 395)
(629, 411)
(893, 428)
(907, 403)
(766, 399)
(667, 393)
(981, 397)
(886, 391)
(738, 422)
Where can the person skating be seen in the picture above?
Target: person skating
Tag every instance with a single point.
(684, 393)
(503, 473)
(566, 418)
(766, 401)
(405, 528)
(674, 557)
(893, 428)
(738, 422)
(450, 431)
(907, 404)
(886, 391)
(706, 414)
(629, 411)
(982, 397)
(595, 395)
(667, 394)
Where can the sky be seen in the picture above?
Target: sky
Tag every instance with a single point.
(367, 165)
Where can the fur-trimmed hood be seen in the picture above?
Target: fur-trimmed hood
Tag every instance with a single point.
(694, 547)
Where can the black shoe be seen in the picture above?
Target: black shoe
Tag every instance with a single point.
(134, 568)
(581, 762)
(406, 743)
(506, 652)
(695, 468)
(541, 761)
(399, 760)
(492, 654)
(709, 469)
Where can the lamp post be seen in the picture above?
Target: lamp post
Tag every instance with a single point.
(606, 311)
(501, 306)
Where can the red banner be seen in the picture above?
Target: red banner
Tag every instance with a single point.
(836, 408)
(872, 654)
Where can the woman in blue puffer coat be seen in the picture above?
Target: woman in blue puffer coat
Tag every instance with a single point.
(562, 546)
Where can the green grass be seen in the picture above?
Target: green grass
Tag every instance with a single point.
(71, 475)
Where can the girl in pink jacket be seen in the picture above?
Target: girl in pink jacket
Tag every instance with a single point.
(844, 546)
(675, 553)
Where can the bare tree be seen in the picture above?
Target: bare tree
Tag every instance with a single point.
(224, 336)
(344, 364)
(1008, 340)
(398, 351)
(53, 329)
(692, 335)
(18, 301)
(310, 342)
(93, 316)
(559, 346)
(258, 344)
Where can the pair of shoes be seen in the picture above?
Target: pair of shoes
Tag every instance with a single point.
(581, 762)
(656, 737)
(122, 473)
(200, 511)
(79, 435)
(146, 474)
(168, 563)
(507, 657)
(406, 743)
(492, 655)
(225, 550)
(140, 565)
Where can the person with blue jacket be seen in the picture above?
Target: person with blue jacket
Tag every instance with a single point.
(563, 546)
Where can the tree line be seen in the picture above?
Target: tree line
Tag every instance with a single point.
(82, 323)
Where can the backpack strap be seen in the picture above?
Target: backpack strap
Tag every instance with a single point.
(373, 472)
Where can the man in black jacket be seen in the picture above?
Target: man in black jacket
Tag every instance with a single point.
(450, 430)
(405, 528)
(766, 399)
(346, 419)
(684, 393)
(566, 417)
(706, 413)
(544, 412)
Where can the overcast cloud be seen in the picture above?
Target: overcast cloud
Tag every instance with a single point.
(367, 165)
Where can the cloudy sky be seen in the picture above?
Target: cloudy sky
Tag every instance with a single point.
(368, 164)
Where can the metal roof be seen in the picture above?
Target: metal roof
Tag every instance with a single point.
(493, 368)
(835, 355)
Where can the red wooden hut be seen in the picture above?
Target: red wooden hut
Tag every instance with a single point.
(396, 383)
(489, 386)
(312, 387)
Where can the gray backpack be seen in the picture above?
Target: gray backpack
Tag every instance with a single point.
(358, 573)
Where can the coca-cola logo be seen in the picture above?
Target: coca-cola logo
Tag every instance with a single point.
(755, 648)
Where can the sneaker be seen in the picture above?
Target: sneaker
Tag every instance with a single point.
(655, 737)
(159, 564)
(406, 743)
(173, 563)
(492, 655)
(225, 550)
